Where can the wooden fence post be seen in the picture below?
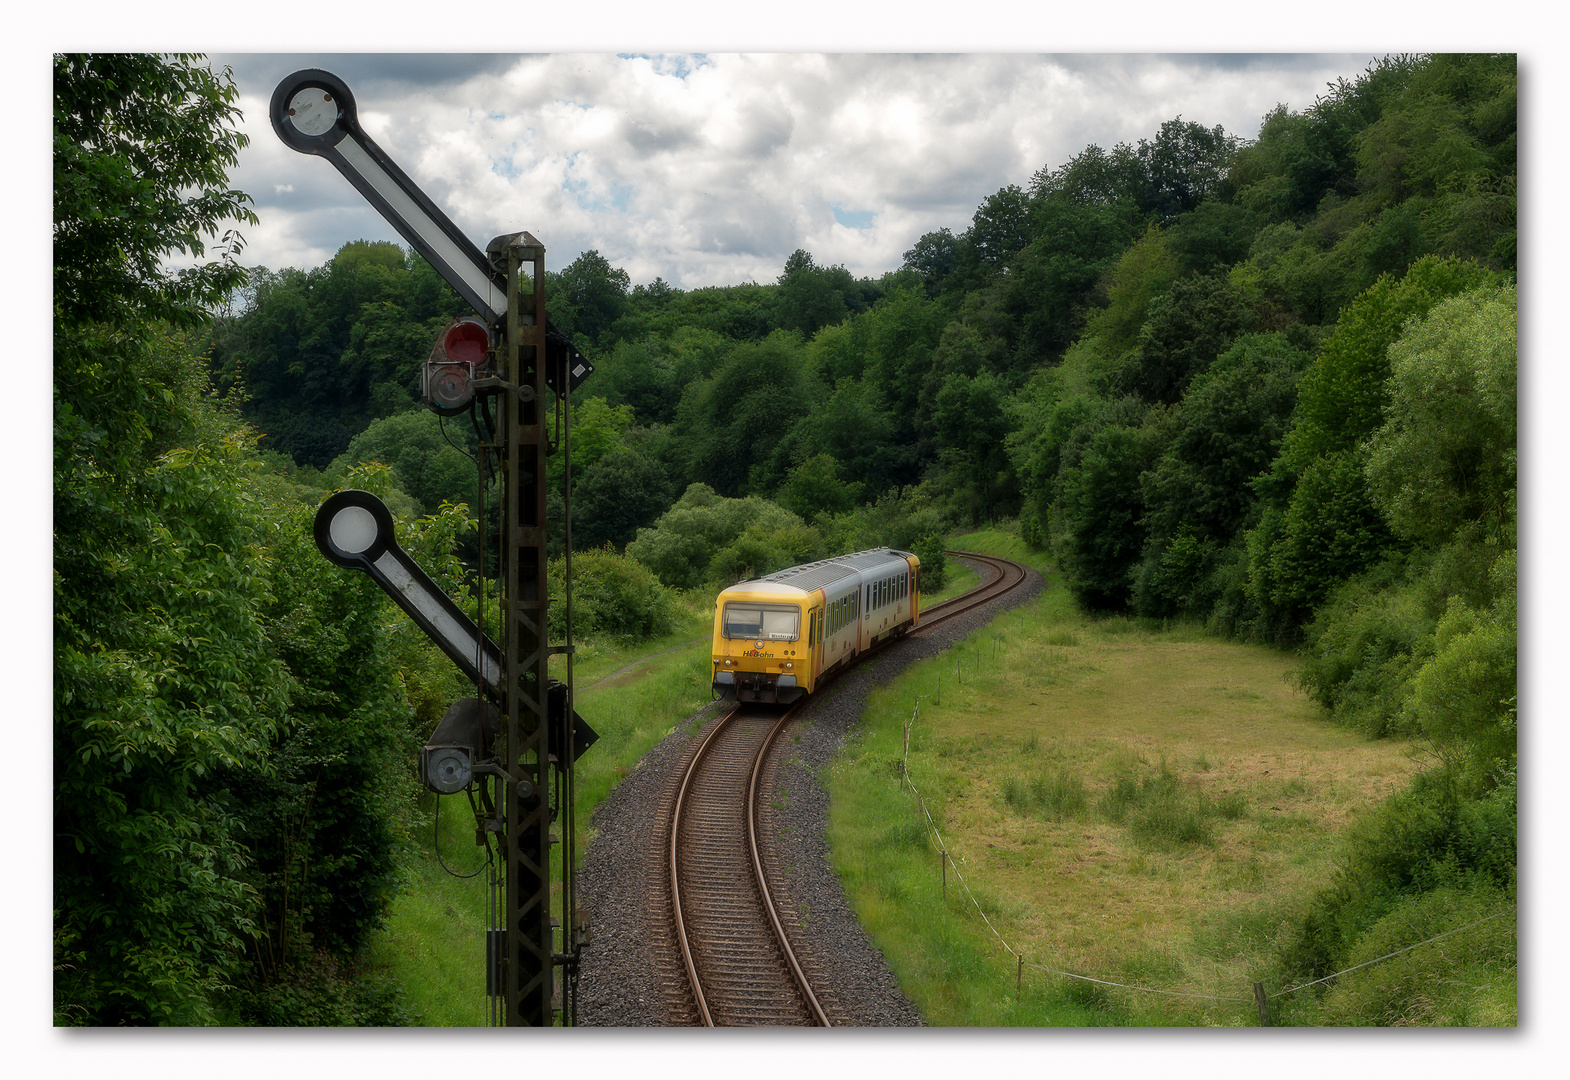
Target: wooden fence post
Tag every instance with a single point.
(1259, 1003)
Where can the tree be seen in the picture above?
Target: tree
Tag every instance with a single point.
(1000, 227)
(588, 297)
(1320, 525)
(705, 536)
(1444, 461)
(162, 672)
(1225, 432)
(1093, 177)
(811, 297)
(1142, 273)
(1184, 331)
(1099, 509)
(735, 421)
(622, 492)
(142, 149)
(814, 487)
(430, 456)
(935, 256)
(197, 699)
(1184, 164)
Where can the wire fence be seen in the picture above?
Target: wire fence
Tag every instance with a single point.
(1259, 997)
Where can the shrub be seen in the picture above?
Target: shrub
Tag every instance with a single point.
(1364, 646)
(612, 595)
(1428, 837)
(934, 564)
(1466, 978)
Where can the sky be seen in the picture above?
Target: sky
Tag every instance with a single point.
(712, 168)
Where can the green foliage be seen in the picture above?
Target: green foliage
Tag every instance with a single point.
(318, 355)
(612, 596)
(430, 456)
(1445, 459)
(1184, 331)
(1344, 393)
(322, 992)
(230, 744)
(1467, 978)
(1364, 645)
(162, 676)
(934, 562)
(811, 297)
(1464, 697)
(142, 148)
(705, 536)
(735, 420)
(163, 679)
(622, 492)
(1430, 837)
(815, 487)
(1142, 273)
(1099, 506)
(587, 298)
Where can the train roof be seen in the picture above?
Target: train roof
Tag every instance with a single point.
(827, 571)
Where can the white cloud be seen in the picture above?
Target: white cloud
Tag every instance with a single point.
(711, 170)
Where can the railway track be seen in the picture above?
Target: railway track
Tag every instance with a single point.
(740, 968)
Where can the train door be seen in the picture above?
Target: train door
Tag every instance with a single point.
(815, 645)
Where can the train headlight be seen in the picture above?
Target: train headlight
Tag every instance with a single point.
(788, 666)
(729, 662)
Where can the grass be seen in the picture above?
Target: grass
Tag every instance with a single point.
(1135, 803)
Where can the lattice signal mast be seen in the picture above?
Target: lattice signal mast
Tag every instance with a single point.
(509, 356)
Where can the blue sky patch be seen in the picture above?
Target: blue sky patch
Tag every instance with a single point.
(854, 219)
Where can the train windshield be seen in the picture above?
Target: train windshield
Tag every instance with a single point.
(764, 622)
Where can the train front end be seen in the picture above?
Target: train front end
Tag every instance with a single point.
(761, 643)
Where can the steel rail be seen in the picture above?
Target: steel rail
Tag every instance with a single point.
(681, 923)
(763, 885)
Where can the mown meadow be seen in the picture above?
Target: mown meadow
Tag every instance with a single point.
(1141, 805)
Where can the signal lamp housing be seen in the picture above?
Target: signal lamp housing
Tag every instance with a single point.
(447, 382)
(465, 735)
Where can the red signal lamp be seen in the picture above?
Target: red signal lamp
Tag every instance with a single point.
(447, 383)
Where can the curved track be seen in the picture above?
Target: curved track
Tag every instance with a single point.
(739, 962)
(740, 968)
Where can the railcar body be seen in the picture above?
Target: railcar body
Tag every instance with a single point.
(777, 637)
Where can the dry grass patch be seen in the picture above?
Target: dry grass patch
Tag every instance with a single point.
(1119, 792)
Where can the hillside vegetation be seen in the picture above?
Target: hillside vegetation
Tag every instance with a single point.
(1265, 387)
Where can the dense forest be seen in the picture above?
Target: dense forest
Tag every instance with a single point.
(1263, 385)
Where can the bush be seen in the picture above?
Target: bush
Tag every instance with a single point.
(613, 596)
(1465, 979)
(322, 993)
(1365, 645)
(1431, 836)
(934, 564)
(682, 544)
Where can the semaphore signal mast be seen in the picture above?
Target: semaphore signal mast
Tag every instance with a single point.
(516, 741)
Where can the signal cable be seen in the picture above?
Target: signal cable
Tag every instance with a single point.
(436, 845)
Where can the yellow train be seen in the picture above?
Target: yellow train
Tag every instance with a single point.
(776, 638)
